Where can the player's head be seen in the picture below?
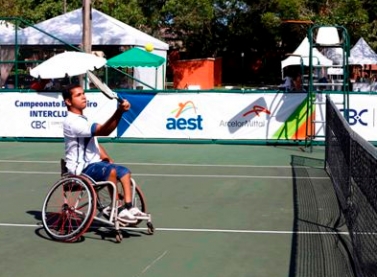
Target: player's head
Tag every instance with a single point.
(67, 92)
(74, 98)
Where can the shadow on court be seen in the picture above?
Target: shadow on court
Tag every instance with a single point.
(100, 232)
(40, 232)
(316, 210)
(36, 214)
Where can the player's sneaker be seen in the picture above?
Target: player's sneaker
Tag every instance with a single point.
(123, 214)
(126, 215)
(136, 212)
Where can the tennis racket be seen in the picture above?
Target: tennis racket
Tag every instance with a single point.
(108, 92)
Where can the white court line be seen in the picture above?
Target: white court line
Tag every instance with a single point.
(205, 230)
(19, 225)
(167, 164)
(181, 175)
(152, 263)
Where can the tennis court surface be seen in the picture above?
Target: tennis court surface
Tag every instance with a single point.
(218, 210)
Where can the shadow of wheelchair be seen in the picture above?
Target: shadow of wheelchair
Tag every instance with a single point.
(40, 232)
(95, 232)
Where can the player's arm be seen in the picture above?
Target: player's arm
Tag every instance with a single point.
(110, 125)
(104, 155)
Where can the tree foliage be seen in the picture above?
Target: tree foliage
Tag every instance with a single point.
(212, 28)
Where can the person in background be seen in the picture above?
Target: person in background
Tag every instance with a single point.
(288, 84)
(297, 83)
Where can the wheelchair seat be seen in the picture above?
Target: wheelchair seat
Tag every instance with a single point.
(63, 167)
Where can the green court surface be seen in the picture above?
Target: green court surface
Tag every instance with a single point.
(218, 210)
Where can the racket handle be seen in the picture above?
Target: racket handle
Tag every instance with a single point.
(119, 98)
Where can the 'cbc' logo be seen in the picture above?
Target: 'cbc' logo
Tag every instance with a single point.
(354, 117)
(38, 124)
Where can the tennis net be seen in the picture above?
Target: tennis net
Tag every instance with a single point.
(351, 162)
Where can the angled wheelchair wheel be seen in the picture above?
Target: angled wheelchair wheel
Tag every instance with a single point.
(69, 208)
(138, 199)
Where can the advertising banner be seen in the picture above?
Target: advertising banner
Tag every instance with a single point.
(187, 115)
(42, 114)
(362, 114)
(215, 116)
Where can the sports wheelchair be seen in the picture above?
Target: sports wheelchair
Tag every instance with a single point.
(75, 201)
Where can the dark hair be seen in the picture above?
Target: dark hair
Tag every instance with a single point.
(67, 91)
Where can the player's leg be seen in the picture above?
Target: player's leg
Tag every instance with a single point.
(105, 171)
(126, 184)
(124, 176)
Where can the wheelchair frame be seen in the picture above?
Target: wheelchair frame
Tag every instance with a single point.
(75, 201)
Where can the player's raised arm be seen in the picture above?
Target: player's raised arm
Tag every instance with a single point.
(110, 125)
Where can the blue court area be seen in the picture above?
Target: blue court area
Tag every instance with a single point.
(218, 210)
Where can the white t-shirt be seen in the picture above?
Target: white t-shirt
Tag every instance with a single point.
(81, 146)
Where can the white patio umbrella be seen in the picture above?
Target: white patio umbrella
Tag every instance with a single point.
(67, 64)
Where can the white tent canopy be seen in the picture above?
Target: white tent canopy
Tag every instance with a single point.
(6, 28)
(68, 29)
(335, 54)
(301, 56)
(361, 53)
(106, 30)
(8, 33)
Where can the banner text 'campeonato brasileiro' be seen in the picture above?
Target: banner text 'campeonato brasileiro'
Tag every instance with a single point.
(35, 105)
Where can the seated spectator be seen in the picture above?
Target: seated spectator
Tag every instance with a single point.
(297, 82)
(39, 84)
(323, 80)
(288, 84)
(49, 85)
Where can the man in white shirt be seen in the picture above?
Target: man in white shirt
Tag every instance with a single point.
(83, 153)
(288, 84)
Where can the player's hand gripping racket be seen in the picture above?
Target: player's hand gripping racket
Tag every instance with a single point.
(103, 87)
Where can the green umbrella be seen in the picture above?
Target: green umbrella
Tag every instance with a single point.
(135, 57)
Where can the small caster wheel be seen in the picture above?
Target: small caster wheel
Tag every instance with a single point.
(150, 228)
(118, 237)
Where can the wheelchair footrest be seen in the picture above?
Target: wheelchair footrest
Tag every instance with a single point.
(143, 217)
